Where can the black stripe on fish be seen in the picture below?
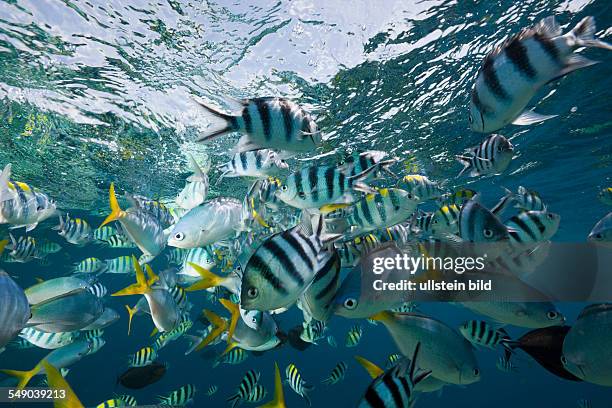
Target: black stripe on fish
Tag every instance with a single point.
(264, 270)
(264, 114)
(524, 227)
(279, 253)
(549, 47)
(329, 181)
(536, 220)
(341, 182)
(243, 160)
(394, 390)
(517, 54)
(297, 247)
(491, 80)
(287, 121)
(248, 121)
(258, 160)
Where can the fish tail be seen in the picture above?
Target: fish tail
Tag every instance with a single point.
(228, 125)
(219, 326)
(383, 316)
(24, 377)
(141, 286)
(209, 279)
(235, 312)
(467, 163)
(372, 369)
(584, 33)
(306, 393)
(234, 400)
(57, 382)
(415, 377)
(199, 174)
(131, 312)
(279, 397)
(116, 211)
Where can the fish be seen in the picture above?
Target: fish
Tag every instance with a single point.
(514, 71)
(164, 338)
(400, 234)
(481, 333)
(446, 353)
(49, 341)
(479, 225)
(545, 346)
(141, 226)
(23, 249)
(445, 220)
(49, 247)
(202, 257)
(254, 331)
(245, 388)
(492, 156)
(55, 287)
(104, 233)
(254, 163)
(357, 162)
(70, 311)
(233, 357)
(212, 390)
(297, 383)
(14, 307)
(90, 334)
(74, 230)
(353, 336)
(602, 231)
(524, 199)
(584, 403)
(122, 264)
(331, 340)
(108, 317)
(268, 122)
(119, 242)
(196, 189)
(258, 394)
(586, 343)
(90, 265)
(157, 209)
(350, 252)
(176, 256)
(337, 374)
(317, 186)
(279, 397)
(605, 195)
(207, 224)
(98, 289)
(316, 302)
(140, 377)
(421, 187)
(531, 227)
(504, 365)
(284, 266)
(531, 315)
(458, 197)
(180, 397)
(394, 388)
(421, 222)
(266, 192)
(313, 331)
(143, 357)
(393, 359)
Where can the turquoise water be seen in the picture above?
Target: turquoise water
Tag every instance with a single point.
(99, 92)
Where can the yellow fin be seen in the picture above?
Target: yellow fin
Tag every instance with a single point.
(131, 312)
(219, 326)
(209, 279)
(279, 396)
(383, 316)
(370, 367)
(152, 276)
(116, 211)
(24, 377)
(57, 382)
(327, 208)
(235, 311)
(154, 332)
(141, 286)
(231, 345)
(39, 279)
(3, 244)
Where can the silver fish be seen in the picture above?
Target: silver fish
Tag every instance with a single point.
(14, 308)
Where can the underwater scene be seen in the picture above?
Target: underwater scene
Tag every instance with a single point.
(306, 203)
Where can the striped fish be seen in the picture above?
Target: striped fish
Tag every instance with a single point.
(49, 341)
(119, 241)
(199, 256)
(267, 192)
(395, 388)
(90, 334)
(272, 123)
(180, 397)
(350, 252)
(258, 394)
(212, 390)
(143, 357)
(104, 233)
(245, 388)
(111, 403)
(358, 162)
(20, 344)
(445, 220)
(74, 230)
(421, 186)
(492, 156)
(313, 331)
(49, 247)
(353, 336)
(505, 365)
(605, 195)
(283, 267)
(176, 256)
(297, 383)
(421, 221)
(233, 357)
(316, 302)
(122, 264)
(477, 224)
(164, 338)
(316, 186)
(23, 249)
(399, 233)
(458, 197)
(98, 289)
(393, 359)
(337, 374)
(514, 71)
(90, 265)
(482, 333)
(157, 209)
(255, 163)
(530, 227)
(196, 190)
(525, 200)
(128, 400)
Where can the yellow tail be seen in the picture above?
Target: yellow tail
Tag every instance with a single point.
(154, 332)
(219, 326)
(235, 312)
(230, 346)
(209, 279)
(369, 366)
(256, 215)
(57, 382)
(141, 286)
(383, 316)
(3, 244)
(279, 396)
(131, 312)
(116, 211)
(24, 377)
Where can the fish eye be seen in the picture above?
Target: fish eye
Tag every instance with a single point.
(552, 315)
(499, 148)
(476, 372)
(563, 360)
(487, 233)
(599, 236)
(284, 187)
(550, 216)
(179, 236)
(252, 292)
(350, 303)
(301, 194)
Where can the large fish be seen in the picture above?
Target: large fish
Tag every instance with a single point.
(532, 315)
(256, 331)
(602, 232)
(14, 308)
(70, 311)
(53, 288)
(514, 72)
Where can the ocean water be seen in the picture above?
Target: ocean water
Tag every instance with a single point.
(94, 92)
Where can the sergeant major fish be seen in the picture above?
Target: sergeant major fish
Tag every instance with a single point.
(492, 156)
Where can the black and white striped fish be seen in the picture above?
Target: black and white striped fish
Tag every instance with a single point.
(245, 388)
(316, 301)
(350, 252)
(358, 162)
(179, 397)
(421, 186)
(515, 70)
(258, 394)
(353, 336)
(313, 331)
(492, 156)
(156, 208)
(143, 357)
(445, 220)
(98, 289)
(268, 123)
(90, 265)
(421, 222)
(531, 227)
(337, 374)
(23, 249)
(526, 200)
(482, 333)
(255, 163)
(212, 390)
(46, 340)
(119, 241)
(75, 230)
(477, 224)
(297, 383)
(504, 364)
(400, 233)
(395, 388)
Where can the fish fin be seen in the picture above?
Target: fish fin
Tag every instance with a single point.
(337, 225)
(198, 173)
(584, 34)
(3, 244)
(219, 326)
(245, 144)
(372, 369)
(529, 117)
(209, 279)
(57, 382)
(131, 312)
(141, 286)
(152, 277)
(234, 309)
(234, 400)
(329, 208)
(116, 211)
(574, 62)
(154, 332)
(324, 236)
(414, 376)
(363, 187)
(466, 161)
(548, 27)
(30, 227)
(256, 216)
(383, 316)
(5, 177)
(227, 119)
(279, 398)
(24, 377)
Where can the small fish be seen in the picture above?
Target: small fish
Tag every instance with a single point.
(245, 388)
(504, 365)
(421, 187)
(297, 383)
(176, 256)
(605, 195)
(421, 222)
(602, 231)
(212, 390)
(458, 197)
(23, 249)
(98, 289)
(353, 337)
(75, 230)
(525, 200)
(267, 192)
(119, 242)
(313, 331)
(359, 161)
(104, 233)
(143, 357)
(49, 247)
(258, 394)
(112, 403)
(233, 357)
(50, 341)
(122, 264)
(156, 208)
(351, 251)
(514, 71)
(90, 265)
(272, 123)
(255, 163)
(482, 333)
(90, 334)
(331, 340)
(180, 397)
(445, 220)
(196, 190)
(492, 156)
(337, 374)
(393, 359)
(202, 257)
(530, 227)
(400, 234)
(584, 403)
(128, 400)
(165, 338)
